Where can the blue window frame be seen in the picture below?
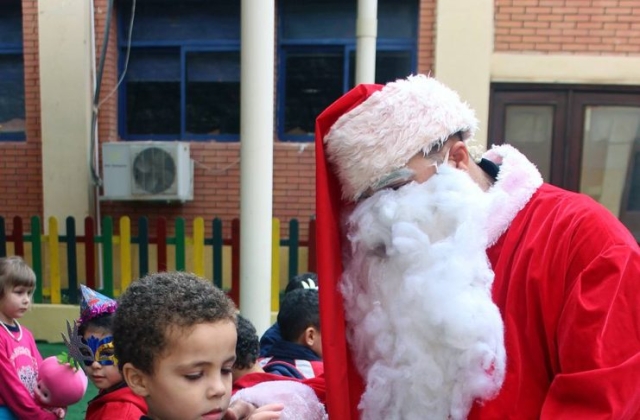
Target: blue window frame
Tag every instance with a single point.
(317, 44)
(12, 107)
(183, 76)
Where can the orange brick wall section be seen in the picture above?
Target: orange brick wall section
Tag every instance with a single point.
(108, 113)
(427, 36)
(568, 26)
(21, 162)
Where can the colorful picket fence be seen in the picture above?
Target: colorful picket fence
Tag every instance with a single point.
(106, 240)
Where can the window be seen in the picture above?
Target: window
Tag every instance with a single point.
(183, 75)
(317, 44)
(583, 138)
(12, 109)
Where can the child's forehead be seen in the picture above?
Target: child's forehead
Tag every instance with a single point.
(220, 334)
(175, 333)
(20, 286)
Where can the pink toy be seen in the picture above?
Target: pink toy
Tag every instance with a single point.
(60, 383)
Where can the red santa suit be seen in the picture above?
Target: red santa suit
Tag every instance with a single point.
(566, 274)
(250, 379)
(565, 283)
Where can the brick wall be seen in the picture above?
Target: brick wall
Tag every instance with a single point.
(21, 161)
(568, 26)
(108, 111)
(427, 36)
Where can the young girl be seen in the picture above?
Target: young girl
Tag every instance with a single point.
(92, 343)
(19, 356)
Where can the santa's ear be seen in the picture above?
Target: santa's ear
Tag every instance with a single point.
(136, 379)
(459, 155)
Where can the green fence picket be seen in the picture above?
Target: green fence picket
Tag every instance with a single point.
(72, 260)
(107, 256)
(143, 245)
(36, 256)
(294, 243)
(217, 244)
(181, 259)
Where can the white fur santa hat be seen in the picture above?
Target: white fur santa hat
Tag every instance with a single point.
(390, 126)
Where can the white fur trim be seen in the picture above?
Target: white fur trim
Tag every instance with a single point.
(517, 181)
(425, 334)
(385, 131)
(299, 400)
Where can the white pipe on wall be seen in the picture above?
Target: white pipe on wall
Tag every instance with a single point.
(95, 158)
(366, 34)
(256, 157)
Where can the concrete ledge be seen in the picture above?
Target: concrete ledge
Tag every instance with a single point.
(47, 321)
(565, 68)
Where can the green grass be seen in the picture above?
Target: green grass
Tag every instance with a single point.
(76, 411)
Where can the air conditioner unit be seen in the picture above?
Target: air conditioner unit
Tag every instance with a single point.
(149, 170)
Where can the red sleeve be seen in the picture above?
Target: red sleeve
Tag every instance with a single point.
(599, 342)
(16, 397)
(319, 386)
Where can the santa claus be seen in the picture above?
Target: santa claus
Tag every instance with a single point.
(405, 216)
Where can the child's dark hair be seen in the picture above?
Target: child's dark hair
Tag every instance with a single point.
(248, 345)
(14, 271)
(299, 310)
(100, 322)
(160, 304)
(302, 281)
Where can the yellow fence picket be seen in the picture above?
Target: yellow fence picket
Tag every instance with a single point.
(125, 253)
(275, 265)
(198, 246)
(54, 262)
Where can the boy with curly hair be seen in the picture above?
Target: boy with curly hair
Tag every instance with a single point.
(175, 340)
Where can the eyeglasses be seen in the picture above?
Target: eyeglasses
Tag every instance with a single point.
(392, 180)
(402, 176)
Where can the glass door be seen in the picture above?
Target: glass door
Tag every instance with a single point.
(607, 128)
(582, 138)
(533, 122)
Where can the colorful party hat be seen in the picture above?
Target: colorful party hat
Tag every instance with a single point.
(94, 303)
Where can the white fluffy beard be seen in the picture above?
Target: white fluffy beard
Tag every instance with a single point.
(424, 332)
